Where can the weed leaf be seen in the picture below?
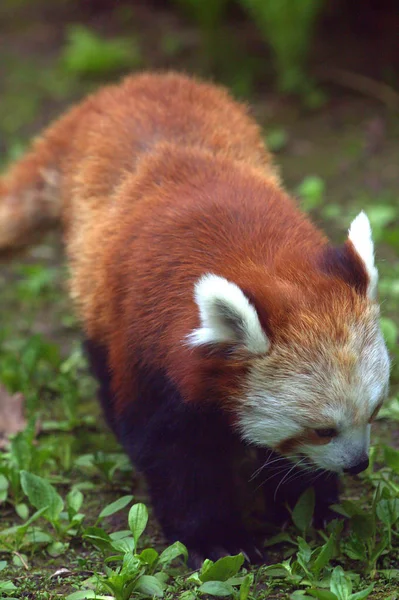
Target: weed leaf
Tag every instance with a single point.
(222, 569)
(322, 594)
(303, 511)
(138, 517)
(326, 554)
(98, 537)
(388, 511)
(150, 586)
(42, 494)
(363, 594)
(391, 458)
(246, 586)
(172, 552)
(340, 585)
(114, 507)
(74, 500)
(216, 588)
(149, 556)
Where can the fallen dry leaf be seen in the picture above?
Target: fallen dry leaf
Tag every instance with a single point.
(62, 572)
(12, 418)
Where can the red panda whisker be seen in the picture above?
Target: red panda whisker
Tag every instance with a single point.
(299, 475)
(259, 469)
(278, 459)
(293, 477)
(268, 464)
(278, 470)
(316, 476)
(296, 465)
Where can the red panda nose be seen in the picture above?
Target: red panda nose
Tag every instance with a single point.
(358, 468)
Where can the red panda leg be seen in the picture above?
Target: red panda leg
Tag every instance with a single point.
(186, 455)
(97, 357)
(284, 485)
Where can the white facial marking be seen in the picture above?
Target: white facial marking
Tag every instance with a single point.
(361, 237)
(270, 412)
(293, 390)
(226, 316)
(344, 451)
(369, 382)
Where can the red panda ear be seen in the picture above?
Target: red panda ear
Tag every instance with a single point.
(227, 317)
(354, 261)
(360, 238)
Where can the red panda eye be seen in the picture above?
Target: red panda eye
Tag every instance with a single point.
(326, 433)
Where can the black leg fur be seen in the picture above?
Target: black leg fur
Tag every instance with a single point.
(97, 357)
(186, 454)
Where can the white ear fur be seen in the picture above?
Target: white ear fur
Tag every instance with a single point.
(226, 316)
(361, 238)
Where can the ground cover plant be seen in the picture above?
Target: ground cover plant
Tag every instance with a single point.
(75, 522)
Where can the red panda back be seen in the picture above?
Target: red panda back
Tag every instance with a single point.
(121, 136)
(128, 121)
(185, 214)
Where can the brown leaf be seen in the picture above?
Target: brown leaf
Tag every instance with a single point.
(12, 418)
(62, 572)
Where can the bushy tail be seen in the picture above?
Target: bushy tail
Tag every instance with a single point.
(30, 199)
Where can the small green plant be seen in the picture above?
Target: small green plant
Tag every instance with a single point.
(276, 139)
(341, 588)
(86, 53)
(36, 283)
(208, 15)
(144, 573)
(311, 192)
(6, 586)
(288, 26)
(222, 578)
(372, 531)
(105, 464)
(50, 507)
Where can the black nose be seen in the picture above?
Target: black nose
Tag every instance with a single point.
(358, 468)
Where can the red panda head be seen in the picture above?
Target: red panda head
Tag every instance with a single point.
(316, 367)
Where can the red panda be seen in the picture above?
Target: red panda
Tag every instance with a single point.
(217, 316)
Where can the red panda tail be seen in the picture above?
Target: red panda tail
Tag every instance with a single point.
(30, 199)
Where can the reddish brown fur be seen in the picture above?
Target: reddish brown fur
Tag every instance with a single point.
(309, 436)
(164, 179)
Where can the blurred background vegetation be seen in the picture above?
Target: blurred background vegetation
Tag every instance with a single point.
(54, 50)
